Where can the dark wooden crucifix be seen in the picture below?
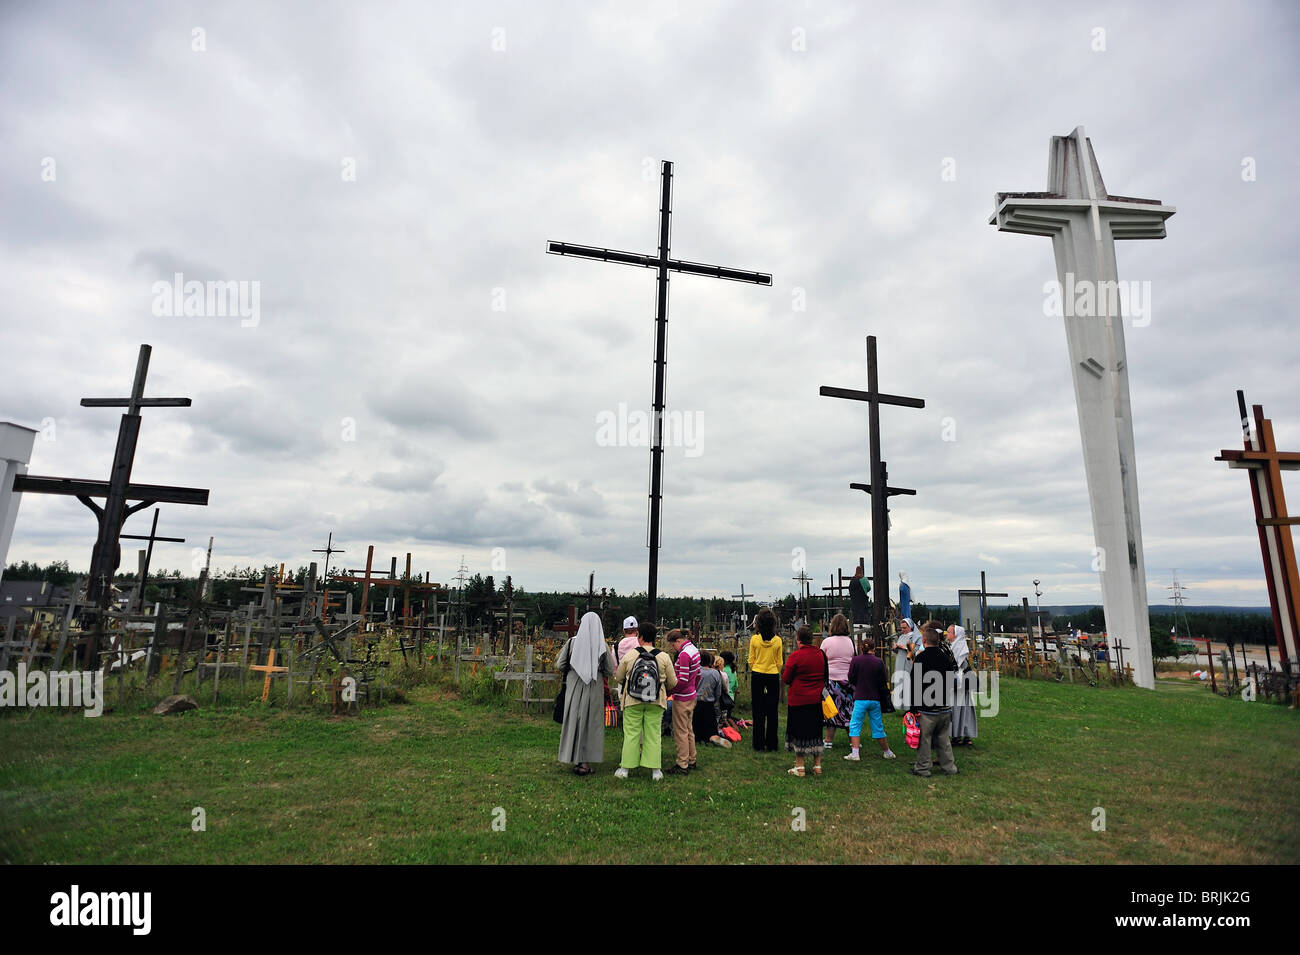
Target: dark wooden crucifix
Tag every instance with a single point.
(879, 501)
(985, 594)
(117, 491)
(663, 265)
(1266, 463)
(366, 579)
(148, 556)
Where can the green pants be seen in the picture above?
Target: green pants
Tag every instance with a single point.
(642, 736)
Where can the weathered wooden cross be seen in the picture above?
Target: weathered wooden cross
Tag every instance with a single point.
(148, 556)
(879, 501)
(1266, 463)
(664, 265)
(116, 491)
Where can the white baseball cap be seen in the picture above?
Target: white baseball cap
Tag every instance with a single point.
(629, 623)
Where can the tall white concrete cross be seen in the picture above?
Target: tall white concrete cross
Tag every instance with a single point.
(16, 444)
(1083, 221)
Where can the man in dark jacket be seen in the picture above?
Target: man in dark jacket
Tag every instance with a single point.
(933, 686)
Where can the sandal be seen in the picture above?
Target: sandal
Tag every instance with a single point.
(817, 770)
(795, 771)
(582, 770)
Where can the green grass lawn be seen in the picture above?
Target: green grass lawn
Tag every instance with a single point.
(1183, 777)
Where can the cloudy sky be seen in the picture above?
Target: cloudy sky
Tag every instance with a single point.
(420, 376)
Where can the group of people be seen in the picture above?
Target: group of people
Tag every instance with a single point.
(831, 686)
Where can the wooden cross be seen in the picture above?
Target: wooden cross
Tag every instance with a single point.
(148, 556)
(1266, 463)
(572, 626)
(879, 501)
(270, 670)
(365, 581)
(419, 586)
(116, 491)
(835, 589)
(741, 596)
(984, 594)
(664, 265)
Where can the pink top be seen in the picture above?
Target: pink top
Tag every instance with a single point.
(624, 645)
(839, 654)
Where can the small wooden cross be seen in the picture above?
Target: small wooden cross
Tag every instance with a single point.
(572, 626)
(270, 670)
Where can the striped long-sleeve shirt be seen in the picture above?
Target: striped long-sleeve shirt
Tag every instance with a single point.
(687, 668)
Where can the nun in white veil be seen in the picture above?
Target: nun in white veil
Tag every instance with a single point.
(585, 662)
(906, 644)
(965, 723)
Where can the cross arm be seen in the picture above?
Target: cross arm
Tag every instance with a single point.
(652, 262)
(827, 391)
(889, 491)
(154, 493)
(146, 537)
(135, 402)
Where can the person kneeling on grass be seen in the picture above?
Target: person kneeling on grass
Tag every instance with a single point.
(645, 678)
(707, 719)
(870, 698)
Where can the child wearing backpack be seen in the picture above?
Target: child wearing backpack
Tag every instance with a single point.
(646, 677)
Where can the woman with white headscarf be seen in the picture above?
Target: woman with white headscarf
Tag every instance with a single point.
(965, 724)
(584, 663)
(906, 645)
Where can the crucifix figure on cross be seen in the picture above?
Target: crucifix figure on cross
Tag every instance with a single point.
(878, 487)
(664, 265)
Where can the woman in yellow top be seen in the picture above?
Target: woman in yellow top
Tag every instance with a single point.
(766, 658)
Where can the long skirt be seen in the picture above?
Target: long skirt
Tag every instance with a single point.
(842, 694)
(803, 729)
(965, 723)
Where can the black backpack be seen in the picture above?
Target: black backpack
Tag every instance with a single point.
(643, 679)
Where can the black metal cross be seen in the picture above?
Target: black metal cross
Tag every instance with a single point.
(804, 592)
(148, 555)
(116, 491)
(328, 550)
(591, 591)
(879, 479)
(663, 264)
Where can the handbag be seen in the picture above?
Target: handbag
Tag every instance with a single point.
(913, 730)
(558, 713)
(829, 709)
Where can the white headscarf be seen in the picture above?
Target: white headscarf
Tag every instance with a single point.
(960, 649)
(588, 647)
(906, 639)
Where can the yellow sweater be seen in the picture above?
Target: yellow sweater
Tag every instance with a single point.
(766, 656)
